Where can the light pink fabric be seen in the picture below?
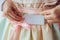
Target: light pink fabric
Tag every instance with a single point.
(21, 24)
(59, 25)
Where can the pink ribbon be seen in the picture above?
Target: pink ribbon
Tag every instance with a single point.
(21, 24)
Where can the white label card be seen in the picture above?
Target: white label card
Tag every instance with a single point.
(34, 19)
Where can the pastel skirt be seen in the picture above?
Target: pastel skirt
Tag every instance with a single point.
(36, 32)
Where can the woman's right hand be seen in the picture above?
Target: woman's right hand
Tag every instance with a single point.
(12, 12)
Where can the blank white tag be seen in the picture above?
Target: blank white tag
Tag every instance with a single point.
(34, 19)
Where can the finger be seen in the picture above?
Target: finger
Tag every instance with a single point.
(11, 17)
(15, 16)
(50, 21)
(16, 8)
(50, 17)
(45, 13)
(53, 21)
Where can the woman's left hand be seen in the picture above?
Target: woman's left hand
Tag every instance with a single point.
(51, 16)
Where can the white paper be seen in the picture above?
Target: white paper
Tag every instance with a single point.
(34, 19)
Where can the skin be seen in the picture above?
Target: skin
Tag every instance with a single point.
(52, 15)
(11, 11)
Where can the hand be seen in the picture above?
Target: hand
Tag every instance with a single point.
(12, 12)
(51, 16)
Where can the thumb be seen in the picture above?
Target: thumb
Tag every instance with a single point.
(46, 12)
